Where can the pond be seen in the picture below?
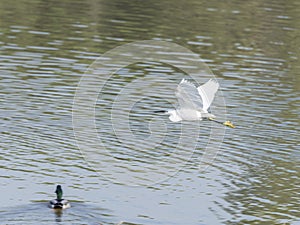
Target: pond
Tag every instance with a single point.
(80, 81)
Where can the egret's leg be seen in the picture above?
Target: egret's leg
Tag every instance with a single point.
(226, 123)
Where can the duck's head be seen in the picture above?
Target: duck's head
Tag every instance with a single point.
(59, 192)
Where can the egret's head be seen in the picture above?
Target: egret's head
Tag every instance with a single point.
(58, 192)
(228, 124)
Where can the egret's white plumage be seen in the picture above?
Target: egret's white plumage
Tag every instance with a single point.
(193, 102)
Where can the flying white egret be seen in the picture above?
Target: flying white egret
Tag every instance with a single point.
(194, 102)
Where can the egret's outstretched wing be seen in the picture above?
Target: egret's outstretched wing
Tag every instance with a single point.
(207, 92)
(188, 96)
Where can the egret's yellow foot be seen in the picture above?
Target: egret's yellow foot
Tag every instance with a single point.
(228, 124)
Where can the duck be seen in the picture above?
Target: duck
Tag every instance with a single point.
(59, 202)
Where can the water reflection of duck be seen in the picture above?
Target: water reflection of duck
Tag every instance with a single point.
(59, 202)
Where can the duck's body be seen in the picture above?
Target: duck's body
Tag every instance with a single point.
(59, 202)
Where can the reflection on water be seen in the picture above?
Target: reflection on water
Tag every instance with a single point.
(38, 212)
(252, 47)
